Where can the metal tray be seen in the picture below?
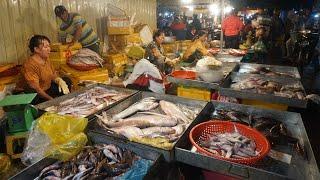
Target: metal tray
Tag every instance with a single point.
(225, 90)
(93, 126)
(283, 69)
(226, 57)
(299, 168)
(227, 67)
(44, 105)
(33, 171)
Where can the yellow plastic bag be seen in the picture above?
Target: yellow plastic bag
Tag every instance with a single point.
(57, 136)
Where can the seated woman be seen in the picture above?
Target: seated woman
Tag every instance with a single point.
(38, 75)
(145, 76)
(155, 53)
(197, 48)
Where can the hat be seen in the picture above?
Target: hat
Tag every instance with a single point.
(59, 10)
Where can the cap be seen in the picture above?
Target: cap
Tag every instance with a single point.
(59, 10)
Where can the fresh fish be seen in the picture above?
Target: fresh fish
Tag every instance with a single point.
(157, 130)
(143, 121)
(88, 102)
(81, 174)
(110, 155)
(54, 166)
(230, 144)
(145, 104)
(172, 110)
(128, 131)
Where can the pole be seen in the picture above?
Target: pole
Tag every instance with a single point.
(222, 14)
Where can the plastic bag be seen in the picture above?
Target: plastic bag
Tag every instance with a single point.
(56, 136)
(5, 163)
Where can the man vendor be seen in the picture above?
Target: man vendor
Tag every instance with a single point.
(76, 26)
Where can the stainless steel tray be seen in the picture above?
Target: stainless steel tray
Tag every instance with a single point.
(282, 69)
(33, 171)
(299, 168)
(56, 101)
(93, 126)
(225, 90)
(226, 57)
(227, 67)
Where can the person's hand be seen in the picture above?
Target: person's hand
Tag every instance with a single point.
(70, 44)
(62, 85)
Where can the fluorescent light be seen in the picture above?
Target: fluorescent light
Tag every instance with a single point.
(214, 9)
(191, 8)
(228, 9)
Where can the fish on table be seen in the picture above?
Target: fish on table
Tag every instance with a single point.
(150, 118)
(88, 102)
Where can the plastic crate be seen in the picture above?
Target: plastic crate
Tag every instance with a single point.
(194, 93)
(119, 30)
(117, 59)
(100, 75)
(57, 47)
(61, 54)
(265, 105)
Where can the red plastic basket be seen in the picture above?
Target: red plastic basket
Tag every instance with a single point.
(204, 130)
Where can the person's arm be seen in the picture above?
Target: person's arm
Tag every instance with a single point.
(77, 34)
(34, 85)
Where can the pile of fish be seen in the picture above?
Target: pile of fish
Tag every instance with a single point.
(146, 123)
(230, 145)
(264, 71)
(262, 86)
(88, 102)
(93, 162)
(275, 131)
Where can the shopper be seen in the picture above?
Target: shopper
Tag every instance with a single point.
(155, 53)
(191, 33)
(76, 26)
(178, 28)
(231, 27)
(278, 33)
(197, 48)
(38, 75)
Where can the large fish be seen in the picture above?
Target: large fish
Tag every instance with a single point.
(128, 131)
(145, 104)
(174, 111)
(143, 121)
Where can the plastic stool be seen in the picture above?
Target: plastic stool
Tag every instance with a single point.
(12, 140)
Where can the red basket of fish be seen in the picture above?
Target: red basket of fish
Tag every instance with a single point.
(229, 141)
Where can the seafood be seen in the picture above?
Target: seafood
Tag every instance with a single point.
(230, 145)
(101, 160)
(144, 105)
(273, 130)
(88, 102)
(172, 110)
(268, 71)
(145, 122)
(261, 86)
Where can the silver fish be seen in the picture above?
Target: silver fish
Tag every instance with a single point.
(128, 131)
(145, 104)
(172, 110)
(157, 130)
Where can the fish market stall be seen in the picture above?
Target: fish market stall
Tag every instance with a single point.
(290, 157)
(227, 67)
(287, 91)
(268, 70)
(87, 101)
(104, 159)
(225, 56)
(151, 121)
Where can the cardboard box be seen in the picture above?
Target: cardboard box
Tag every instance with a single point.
(119, 30)
(57, 47)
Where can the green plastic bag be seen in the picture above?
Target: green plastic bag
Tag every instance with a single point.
(57, 136)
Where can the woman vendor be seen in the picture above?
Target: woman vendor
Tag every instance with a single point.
(155, 53)
(197, 48)
(38, 75)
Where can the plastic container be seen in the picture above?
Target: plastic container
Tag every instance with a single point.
(57, 47)
(184, 74)
(194, 93)
(203, 130)
(265, 105)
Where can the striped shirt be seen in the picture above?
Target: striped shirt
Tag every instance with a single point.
(87, 38)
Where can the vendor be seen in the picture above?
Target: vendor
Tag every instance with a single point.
(155, 53)
(76, 26)
(38, 75)
(197, 49)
